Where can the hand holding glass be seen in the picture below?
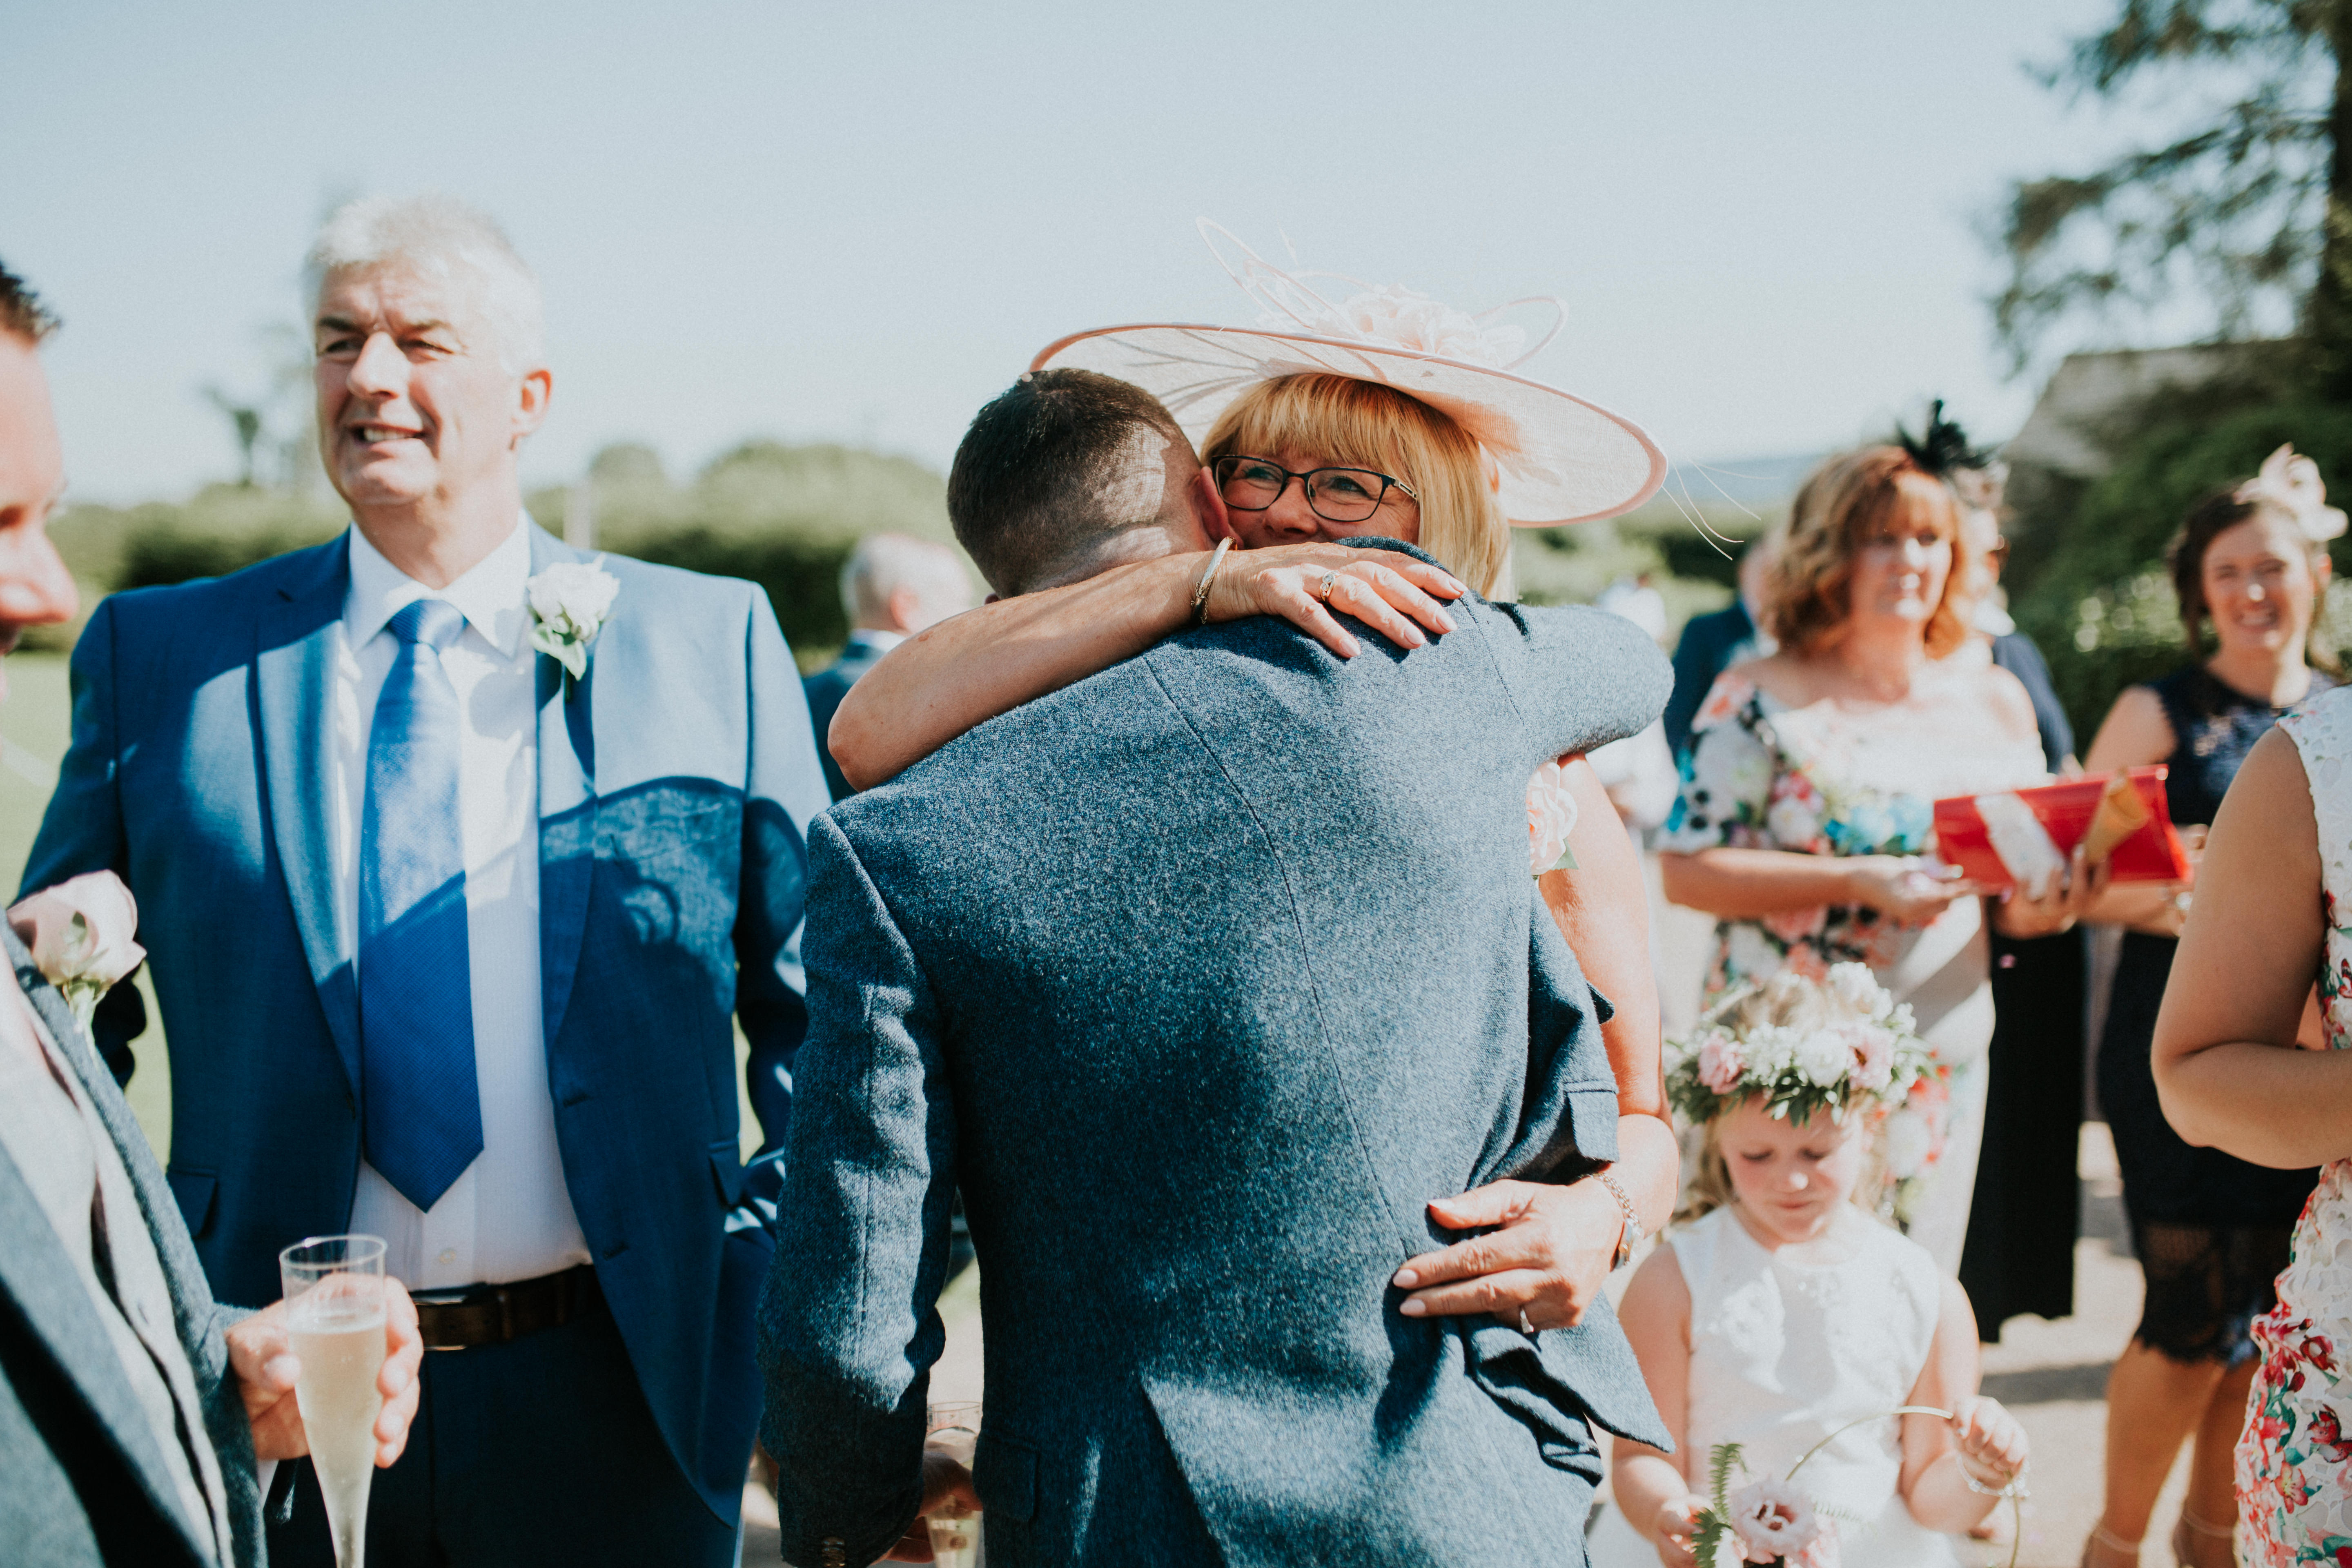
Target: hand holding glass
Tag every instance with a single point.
(954, 1430)
(335, 1316)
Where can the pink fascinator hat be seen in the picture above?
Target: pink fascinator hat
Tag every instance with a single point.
(1560, 458)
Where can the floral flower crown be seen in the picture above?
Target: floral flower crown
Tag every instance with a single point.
(1800, 1047)
(1841, 1046)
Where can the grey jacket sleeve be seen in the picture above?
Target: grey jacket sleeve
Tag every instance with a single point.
(1582, 678)
(848, 1328)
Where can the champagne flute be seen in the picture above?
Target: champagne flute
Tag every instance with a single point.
(954, 1430)
(335, 1315)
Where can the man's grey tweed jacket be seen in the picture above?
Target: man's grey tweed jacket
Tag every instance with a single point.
(1201, 978)
(81, 1481)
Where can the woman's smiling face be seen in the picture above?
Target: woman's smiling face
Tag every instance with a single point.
(1291, 520)
(2260, 584)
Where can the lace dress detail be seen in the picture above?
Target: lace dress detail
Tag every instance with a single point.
(2295, 1457)
(1822, 780)
(1784, 1353)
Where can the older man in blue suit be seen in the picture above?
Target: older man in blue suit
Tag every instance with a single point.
(457, 851)
(1203, 979)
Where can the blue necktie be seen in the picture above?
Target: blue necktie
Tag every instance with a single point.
(421, 1109)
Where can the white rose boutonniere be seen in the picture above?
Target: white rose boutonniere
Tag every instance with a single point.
(569, 603)
(80, 935)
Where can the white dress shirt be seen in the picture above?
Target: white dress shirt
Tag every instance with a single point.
(509, 1216)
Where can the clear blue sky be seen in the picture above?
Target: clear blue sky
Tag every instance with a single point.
(858, 222)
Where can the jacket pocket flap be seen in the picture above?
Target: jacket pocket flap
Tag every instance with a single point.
(194, 1190)
(727, 1170)
(1004, 1473)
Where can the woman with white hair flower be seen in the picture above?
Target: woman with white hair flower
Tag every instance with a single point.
(2210, 1230)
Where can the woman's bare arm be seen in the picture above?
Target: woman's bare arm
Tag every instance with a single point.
(2226, 1067)
(2137, 734)
(1603, 908)
(1748, 884)
(958, 675)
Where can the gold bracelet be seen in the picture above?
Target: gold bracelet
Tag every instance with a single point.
(1209, 575)
(1630, 1237)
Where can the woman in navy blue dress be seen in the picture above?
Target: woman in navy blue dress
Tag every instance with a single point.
(2211, 1231)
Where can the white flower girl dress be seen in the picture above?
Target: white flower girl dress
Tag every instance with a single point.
(1784, 1353)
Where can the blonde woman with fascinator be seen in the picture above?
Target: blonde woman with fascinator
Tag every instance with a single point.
(1806, 816)
(1376, 414)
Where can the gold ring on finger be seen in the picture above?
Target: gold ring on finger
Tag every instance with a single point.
(1330, 580)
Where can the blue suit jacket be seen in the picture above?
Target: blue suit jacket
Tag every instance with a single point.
(676, 784)
(1201, 978)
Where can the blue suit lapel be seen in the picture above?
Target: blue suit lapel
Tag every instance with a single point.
(295, 673)
(567, 809)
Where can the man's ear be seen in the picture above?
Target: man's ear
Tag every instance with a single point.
(530, 402)
(1209, 506)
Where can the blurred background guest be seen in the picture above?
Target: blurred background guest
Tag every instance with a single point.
(2211, 1231)
(892, 586)
(1807, 802)
(2019, 1253)
(1713, 643)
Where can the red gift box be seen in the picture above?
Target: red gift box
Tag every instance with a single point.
(1990, 837)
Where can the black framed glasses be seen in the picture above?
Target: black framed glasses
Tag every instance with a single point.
(1335, 495)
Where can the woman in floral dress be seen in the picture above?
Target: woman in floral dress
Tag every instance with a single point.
(1807, 813)
(2273, 913)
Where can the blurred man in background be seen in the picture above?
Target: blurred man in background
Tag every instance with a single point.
(892, 588)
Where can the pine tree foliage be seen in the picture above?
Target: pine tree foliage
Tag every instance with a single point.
(2244, 207)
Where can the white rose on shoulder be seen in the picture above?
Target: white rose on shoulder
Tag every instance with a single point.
(569, 603)
(81, 933)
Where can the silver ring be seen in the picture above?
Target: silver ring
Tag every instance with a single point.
(1526, 1327)
(1330, 580)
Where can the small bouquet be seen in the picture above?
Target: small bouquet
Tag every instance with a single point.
(1842, 1046)
(1765, 1522)
(1771, 1522)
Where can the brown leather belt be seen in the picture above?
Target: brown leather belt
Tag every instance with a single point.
(496, 1314)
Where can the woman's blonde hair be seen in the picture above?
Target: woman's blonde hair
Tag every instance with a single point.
(1786, 1001)
(1847, 501)
(1361, 423)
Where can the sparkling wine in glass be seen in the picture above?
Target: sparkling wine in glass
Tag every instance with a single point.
(955, 1527)
(335, 1313)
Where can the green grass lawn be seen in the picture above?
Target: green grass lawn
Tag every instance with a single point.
(37, 718)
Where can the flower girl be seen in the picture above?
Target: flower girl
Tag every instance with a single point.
(1786, 1319)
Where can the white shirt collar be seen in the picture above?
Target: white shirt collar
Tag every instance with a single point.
(879, 641)
(490, 596)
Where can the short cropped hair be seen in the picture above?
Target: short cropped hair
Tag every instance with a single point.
(438, 235)
(1034, 490)
(22, 314)
(1845, 503)
(883, 563)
